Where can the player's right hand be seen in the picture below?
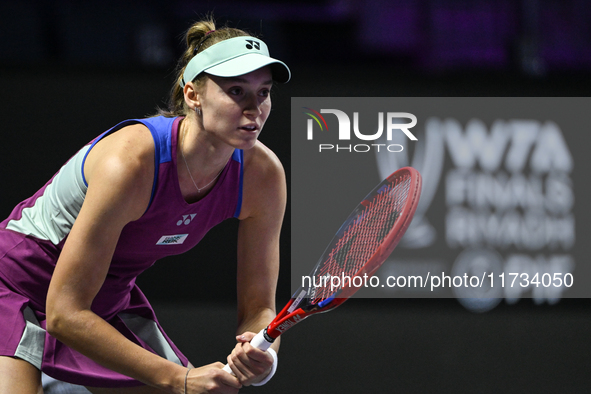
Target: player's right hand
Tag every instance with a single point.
(211, 379)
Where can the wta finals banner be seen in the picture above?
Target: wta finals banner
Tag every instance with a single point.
(505, 192)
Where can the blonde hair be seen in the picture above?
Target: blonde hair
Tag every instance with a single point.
(200, 36)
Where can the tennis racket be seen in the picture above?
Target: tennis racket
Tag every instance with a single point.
(360, 247)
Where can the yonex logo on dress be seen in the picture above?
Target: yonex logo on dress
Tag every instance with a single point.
(172, 239)
(252, 43)
(186, 219)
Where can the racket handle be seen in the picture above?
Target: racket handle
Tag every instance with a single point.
(259, 341)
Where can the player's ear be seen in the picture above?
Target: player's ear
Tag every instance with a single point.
(192, 95)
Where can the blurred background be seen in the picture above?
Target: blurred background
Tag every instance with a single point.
(72, 69)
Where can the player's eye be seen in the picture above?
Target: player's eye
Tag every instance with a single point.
(236, 91)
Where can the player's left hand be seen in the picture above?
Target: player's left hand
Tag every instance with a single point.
(249, 364)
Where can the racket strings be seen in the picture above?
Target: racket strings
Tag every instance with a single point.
(362, 238)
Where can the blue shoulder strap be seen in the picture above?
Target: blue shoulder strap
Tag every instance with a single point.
(160, 127)
(238, 156)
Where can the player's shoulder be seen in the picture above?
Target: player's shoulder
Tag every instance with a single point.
(264, 183)
(131, 142)
(128, 152)
(262, 164)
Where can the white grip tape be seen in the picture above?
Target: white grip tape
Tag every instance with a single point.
(228, 369)
(260, 342)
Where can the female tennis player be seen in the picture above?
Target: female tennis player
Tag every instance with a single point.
(145, 189)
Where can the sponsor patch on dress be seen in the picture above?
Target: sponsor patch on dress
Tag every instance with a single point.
(172, 239)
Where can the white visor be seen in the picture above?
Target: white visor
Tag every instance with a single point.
(233, 57)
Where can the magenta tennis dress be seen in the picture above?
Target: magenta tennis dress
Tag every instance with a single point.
(32, 237)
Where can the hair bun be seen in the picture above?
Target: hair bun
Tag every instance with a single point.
(198, 31)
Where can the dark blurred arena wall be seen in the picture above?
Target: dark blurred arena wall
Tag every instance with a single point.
(534, 36)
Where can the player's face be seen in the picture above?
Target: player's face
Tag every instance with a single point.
(235, 109)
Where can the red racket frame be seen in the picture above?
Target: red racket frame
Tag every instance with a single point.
(286, 319)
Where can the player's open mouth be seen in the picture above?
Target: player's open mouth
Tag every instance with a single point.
(250, 128)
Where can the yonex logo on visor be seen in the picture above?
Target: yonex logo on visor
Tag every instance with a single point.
(233, 57)
(253, 44)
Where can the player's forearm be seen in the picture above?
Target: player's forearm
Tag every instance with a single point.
(92, 336)
(256, 321)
